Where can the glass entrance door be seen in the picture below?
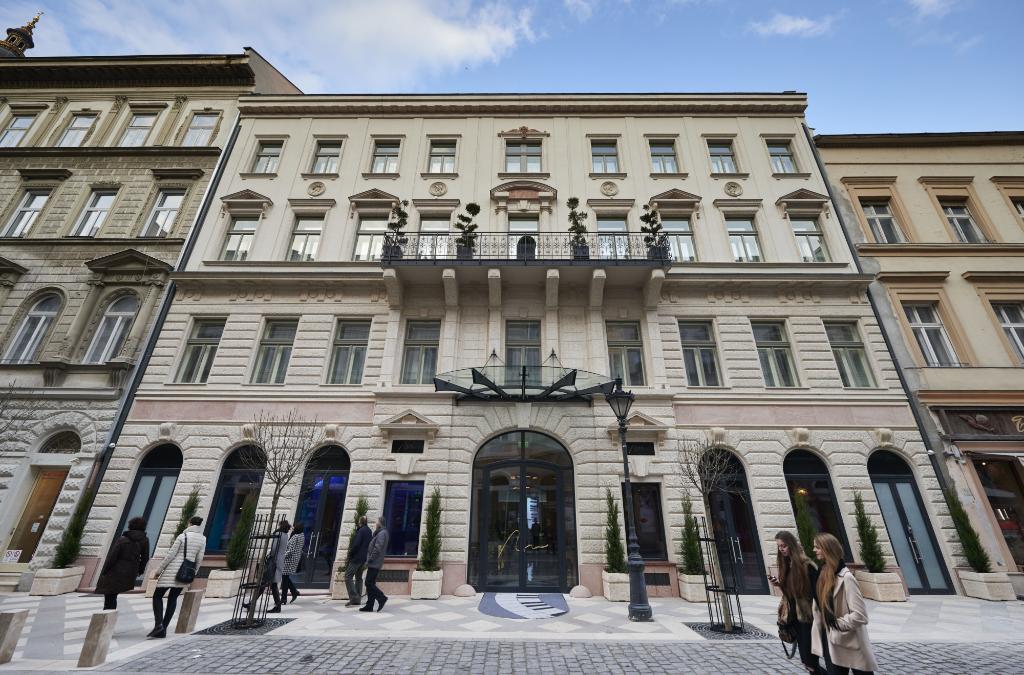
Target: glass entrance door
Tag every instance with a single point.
(738, 547)
(35, 516)
(1005, 495)
(320, 512)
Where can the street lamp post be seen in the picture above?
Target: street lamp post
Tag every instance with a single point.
(639, 608)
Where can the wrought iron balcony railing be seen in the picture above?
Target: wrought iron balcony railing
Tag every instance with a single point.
(523, 249)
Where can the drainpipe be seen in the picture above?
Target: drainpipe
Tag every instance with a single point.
(940, 473)
(100, 468)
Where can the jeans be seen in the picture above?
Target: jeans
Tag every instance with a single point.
(354, 582)
(373, 593)
(160, 617)
(110, 601)
(288, 586)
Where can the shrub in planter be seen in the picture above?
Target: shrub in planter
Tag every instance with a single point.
(654, 234)
(238, 544)
(188, 509)
(691, 567)
(980, 581)
(614, 580)
(466, 241)
(426, 580)
(578, 230)
(804, 524)
(875, 583)
(396, 238)
(64, 577)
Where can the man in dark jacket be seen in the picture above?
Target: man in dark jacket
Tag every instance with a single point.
(374, 562)
(356, 560)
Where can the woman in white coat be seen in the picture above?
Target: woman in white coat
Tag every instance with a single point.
(839, 633)
(190, 545)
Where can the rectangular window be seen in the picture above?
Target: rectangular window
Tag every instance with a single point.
(781, 155)
(1011, 318)
(385, 157)
(419, 359)
(407, 446)
(442, 156)
(305, 239)
(200, 129)
(137, 131)
(851, 358)
(25, 215)
(930, 334)
(612, 237)
(94, 214)
(434, 241)
(743, 240)
(640, 448)
(370, 239)
(268, 156)
(75, 134)
(774, 354)
(275, 351)
(663, 157)
(165, 211)
(722, 158)
(349, 352)
(604, 156)
(680, 238)
(522, 156)
(960, 219)
(648, 523)
(522, 348)
(700, 356)
(809, 240)
(239, 239)
(326, 157)
(522, 237)
(199, 351)
(882, 222)
(16, 130)
(626, 352)
(403, 506)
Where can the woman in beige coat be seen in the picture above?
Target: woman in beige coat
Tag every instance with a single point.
(189, 544)
(839, 633)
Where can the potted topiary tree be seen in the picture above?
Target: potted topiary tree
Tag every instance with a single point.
(805, 529)
(874, 581)
(654, 234)
(338, 588)
(691, 562)
(466, 241)
(426, 580)
(578, 230)
(225, 583)
(396, 239)
(980, 581)
(65, 576)
(614, 579)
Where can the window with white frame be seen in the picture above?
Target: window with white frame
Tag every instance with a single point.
(663, 156)
(809, 239)
(930, 334)
(200, 129)
(625, 352)
(268, 156)
(419, 356)
(239, 238)
(113, 329)
(848, 350)
(94, 214)
(435, 239)
(774, 353)
(700, 355)
(612, 237)
(522, 236)
(370, 239)
(883, 224)
(326, 157)
(137, 131)
(680, 237)
(275, 351)
(959, 216)
(522, 349)
(165, 212)
(1011, 318)
(781, 155)
(77, 130)
(32, 203)
(306, 238)
(348, 354)
(15, 130)
(442, 156)
(743, 239)
(723, 160)
(200, 351)
(34, 328)
(522, 156)
(604, 156)
(385, 156)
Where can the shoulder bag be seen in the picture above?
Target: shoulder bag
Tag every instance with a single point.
(187, 572)
(787, 629)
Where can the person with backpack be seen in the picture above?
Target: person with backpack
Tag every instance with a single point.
(176, 573)
(126, 561)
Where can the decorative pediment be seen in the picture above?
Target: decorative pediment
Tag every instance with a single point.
(803, 199)
(409, 424)
(246, 200)
(523, 132)
(47, 175)
(523, 195)
(162, 173)
(640, 427)
(9, 267)
(676, 199)
(373, 199)
(128, 261)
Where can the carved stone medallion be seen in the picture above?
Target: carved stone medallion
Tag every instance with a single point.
(316, 189)
(733, 189)
(609, 189)
(438, 189)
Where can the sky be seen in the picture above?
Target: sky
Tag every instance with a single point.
(868, 66)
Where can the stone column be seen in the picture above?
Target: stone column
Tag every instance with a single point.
(97, 639)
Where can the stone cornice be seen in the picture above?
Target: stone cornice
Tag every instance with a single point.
(149, 151)
(937, 249)
(227, 70)
(920, 140)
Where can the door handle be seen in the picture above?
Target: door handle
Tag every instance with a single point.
(739, 550)
(913, 549)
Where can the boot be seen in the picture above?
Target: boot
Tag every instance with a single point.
(156, 629)
(276, 609)
(295, 596)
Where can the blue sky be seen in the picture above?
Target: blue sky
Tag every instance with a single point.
(867, 65)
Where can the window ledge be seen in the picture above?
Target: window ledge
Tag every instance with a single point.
(389, 176)
(427, 174)
(656, 176)
(539, 174)
(309, 176)
(730, 175)
(598, 176)
(250, 174)
(791, 175)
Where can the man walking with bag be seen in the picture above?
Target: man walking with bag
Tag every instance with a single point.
(176, 573)
(356, 559)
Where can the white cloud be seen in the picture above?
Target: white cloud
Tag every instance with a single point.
(792, 26)
(932, 8)
(581, 9)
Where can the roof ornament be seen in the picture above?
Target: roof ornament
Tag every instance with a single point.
(19, 40)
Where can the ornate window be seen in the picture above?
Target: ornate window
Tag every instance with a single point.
(137, 131)
(25, 215)
(34, 328)
(403, 507)
(113, 329)
(522, 156)
(76, 132)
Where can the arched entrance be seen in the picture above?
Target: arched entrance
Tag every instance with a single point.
(238, 480)
(152, 491)
(911, 536)
(807, 477)
(739, 547)
(321, 502)
(522, 535)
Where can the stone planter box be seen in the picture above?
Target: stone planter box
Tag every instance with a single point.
(691, 587)
(881, 586)
(426, 585)
(56, 582)
(987, 585)
(223, 583)
(615, 586)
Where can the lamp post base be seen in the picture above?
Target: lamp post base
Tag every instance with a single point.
(639, 607)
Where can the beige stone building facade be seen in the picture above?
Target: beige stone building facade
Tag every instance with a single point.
(939, 218)
(756, 335)
(104, 163)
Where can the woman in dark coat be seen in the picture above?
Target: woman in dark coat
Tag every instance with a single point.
(126, 561)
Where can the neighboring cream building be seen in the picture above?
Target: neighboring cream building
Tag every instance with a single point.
(940, 219)
(284, 303)
(104, 162)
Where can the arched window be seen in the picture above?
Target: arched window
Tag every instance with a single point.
(64, 442)
(238, 479)
(809, 484)
(152, 490)
(113, 330)
(34, 328)
(735, 526)
(321, 501)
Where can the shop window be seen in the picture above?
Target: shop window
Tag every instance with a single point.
(1005, 493)
(403, 506)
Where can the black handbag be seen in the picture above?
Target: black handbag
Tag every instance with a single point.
(787, 629)
(187, 572)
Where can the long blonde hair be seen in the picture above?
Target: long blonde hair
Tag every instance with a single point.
(832, 554)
